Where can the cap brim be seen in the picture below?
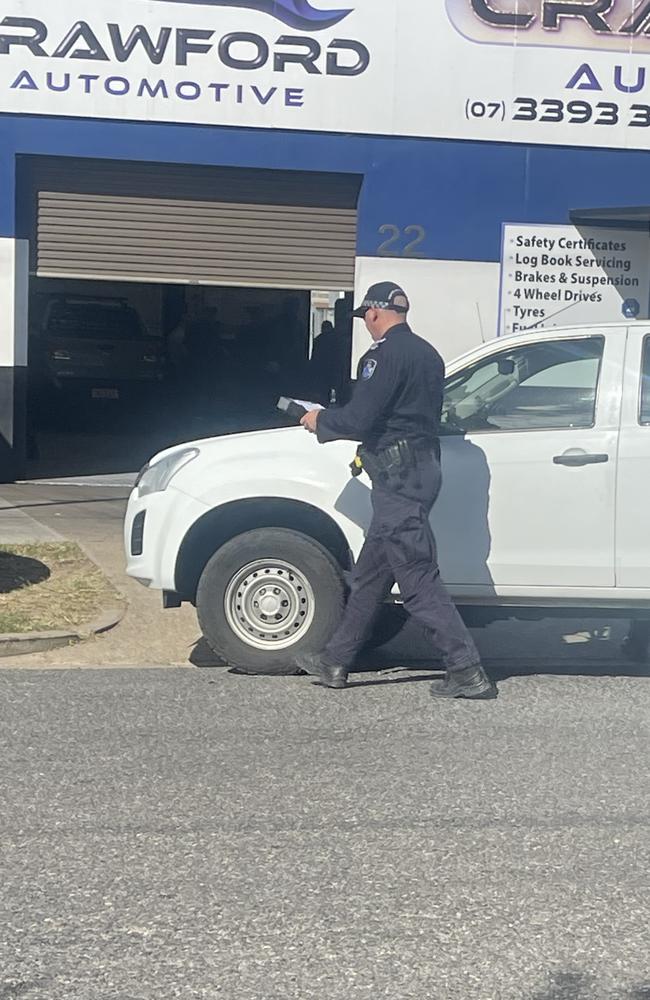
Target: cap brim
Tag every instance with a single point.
(360, 312)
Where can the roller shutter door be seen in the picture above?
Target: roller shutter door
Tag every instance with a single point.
(194, 225)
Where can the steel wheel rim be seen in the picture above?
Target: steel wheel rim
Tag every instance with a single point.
(269, 604)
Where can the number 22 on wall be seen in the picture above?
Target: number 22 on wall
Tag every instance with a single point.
(394, 245)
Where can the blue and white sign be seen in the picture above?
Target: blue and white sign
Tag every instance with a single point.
(289, 64)
(566, 276)
(540, 71)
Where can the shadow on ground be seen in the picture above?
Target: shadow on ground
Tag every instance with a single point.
(18, 572)
(392, 651)
(579, 986)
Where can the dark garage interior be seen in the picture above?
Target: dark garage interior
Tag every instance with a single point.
(159, 315)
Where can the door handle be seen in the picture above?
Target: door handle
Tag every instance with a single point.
(577, 459)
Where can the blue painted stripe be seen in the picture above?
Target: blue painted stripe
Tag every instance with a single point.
(298, 14)
(460, 193)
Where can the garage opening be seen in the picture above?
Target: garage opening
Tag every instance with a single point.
(169, 303)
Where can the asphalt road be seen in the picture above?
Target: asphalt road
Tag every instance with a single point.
(197, 834)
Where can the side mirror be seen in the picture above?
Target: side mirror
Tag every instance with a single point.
(506, 366)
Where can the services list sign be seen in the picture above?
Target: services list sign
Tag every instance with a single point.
(564, 276)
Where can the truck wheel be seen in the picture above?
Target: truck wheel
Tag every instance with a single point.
(265, 596)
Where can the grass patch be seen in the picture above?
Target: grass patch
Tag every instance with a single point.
(50, 586)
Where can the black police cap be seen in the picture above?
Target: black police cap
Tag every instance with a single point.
(384, 295)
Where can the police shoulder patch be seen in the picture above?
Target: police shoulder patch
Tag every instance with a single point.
(368, 369)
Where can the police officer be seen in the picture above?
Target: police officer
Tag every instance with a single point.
(395, 414)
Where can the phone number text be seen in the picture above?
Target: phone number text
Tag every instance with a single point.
(552, 111)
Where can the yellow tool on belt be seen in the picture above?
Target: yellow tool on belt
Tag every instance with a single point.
(356, 467)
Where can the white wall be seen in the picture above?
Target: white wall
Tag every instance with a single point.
(454, 304)
(14, 285)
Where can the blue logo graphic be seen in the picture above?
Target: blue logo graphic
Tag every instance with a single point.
(295, 13)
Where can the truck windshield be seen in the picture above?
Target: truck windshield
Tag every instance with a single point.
(543, 384)
(94, 321)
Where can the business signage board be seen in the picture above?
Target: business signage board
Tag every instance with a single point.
(566, 276)
(540, 71)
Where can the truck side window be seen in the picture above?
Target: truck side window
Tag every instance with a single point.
(547, 385)
(644, 407)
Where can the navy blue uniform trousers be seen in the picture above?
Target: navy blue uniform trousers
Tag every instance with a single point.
(400, 547)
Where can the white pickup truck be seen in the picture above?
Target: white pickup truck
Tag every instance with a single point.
(546, 463)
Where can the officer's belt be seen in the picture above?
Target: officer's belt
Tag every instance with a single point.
(396, 460)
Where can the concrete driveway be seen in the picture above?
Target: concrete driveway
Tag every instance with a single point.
(192, 833)
(199, 835)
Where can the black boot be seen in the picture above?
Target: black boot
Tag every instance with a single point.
(329, 674)
(471, 682)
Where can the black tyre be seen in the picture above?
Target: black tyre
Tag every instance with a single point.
(265, 596)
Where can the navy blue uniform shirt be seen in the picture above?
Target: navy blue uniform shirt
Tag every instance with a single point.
(398, 395)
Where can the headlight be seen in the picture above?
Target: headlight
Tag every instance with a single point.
(156, 478)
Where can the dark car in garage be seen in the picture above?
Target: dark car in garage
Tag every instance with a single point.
(95, 348)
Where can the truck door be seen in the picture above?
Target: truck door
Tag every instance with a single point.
(529, 466)
(633, 485)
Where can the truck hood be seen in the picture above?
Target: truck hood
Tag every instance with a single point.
(247, 441)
